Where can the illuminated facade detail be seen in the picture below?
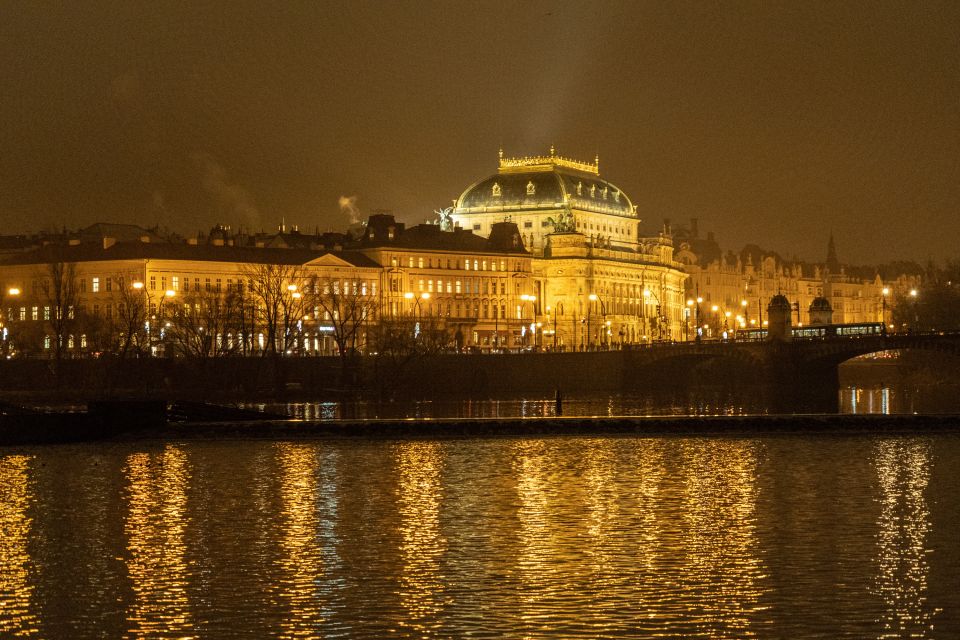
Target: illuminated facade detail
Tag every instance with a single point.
(590, 264)
(744, 284)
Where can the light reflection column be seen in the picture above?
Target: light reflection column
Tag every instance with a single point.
(538, 549)
(156, 551)
(17, 616)
(422, 545)
(301, 557)
(723, 552)
(903, 469)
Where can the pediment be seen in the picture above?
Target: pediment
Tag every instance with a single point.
(328, 260)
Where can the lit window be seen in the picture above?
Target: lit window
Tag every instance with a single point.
(96, 285)
(176, 283)
(458, 287)
(34, 313)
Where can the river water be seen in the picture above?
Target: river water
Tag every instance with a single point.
(829, 536)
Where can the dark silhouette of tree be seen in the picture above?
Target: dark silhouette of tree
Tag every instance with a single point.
(276, 292)
(207, 324)
(936, 307)
(348, 307)
(59, 295)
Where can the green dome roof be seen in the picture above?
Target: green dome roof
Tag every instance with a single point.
(545, 182)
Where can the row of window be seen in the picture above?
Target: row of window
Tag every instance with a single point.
(467, 264)
(528, 224)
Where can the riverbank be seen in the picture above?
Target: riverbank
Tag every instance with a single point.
(557, 426)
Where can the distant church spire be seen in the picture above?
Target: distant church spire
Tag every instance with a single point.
(833, 264)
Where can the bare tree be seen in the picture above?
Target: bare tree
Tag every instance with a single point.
(277, 292)
(130, 337)
(398, 342)
(348, 307)
(60, 295)
(208, 324)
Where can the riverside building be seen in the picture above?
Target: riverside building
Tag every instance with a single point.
(222, 294)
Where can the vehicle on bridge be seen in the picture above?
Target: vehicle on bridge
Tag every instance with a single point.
(820, 331)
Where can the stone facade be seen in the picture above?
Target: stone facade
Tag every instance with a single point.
(597, 281)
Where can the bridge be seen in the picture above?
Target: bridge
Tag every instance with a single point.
(805, 370)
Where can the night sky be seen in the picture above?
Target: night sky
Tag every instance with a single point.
(771, 124)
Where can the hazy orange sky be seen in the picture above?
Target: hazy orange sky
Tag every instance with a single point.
(772, 123)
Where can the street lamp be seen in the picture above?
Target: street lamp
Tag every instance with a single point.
(883, 308)
(169, 293)
(686, 320)
(526, 297)
(13, 292)
(650, 294)
(409, 295)
(556, 313)
(603, 311)
(716, 315)
(916, 314)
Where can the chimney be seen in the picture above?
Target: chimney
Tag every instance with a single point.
(108, 242)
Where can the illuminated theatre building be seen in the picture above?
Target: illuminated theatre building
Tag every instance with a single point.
(596, 281)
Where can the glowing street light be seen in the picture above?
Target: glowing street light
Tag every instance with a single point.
(409, 295)
(883, 307)
(13, 291)
(603, 311)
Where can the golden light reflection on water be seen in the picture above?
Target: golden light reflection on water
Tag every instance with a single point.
(722, 550)
(538, 556)
(17, 616)
(422, 544)
(301, 563)
(156, 549)
(903, 470)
